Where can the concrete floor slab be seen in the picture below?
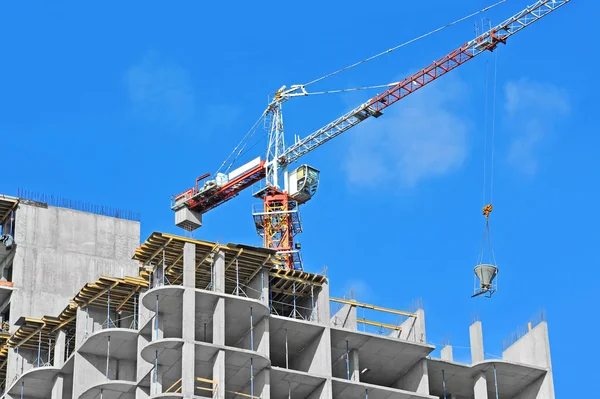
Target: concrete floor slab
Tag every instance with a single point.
(512, 377)
(344, 389)
(36, 383)
(123, 343)
(111, 390)
(385, 358)
(297, 384)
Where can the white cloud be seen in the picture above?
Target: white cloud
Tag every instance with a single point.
(422, 137)
(160, 91)
(533, 110)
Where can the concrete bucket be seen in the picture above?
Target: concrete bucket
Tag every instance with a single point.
(486, 274)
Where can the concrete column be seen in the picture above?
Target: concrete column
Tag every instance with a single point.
(188, 334)
(59, 348)
(261, 337)
(476, 337)
(534, 348)
(156, 382)
(413, 328)
(323, 312)
(189, 265)
(82, 327)
(480, 390)
(354, 366)
(345, 317)
(143, 367)
(59, 361)
(57, 388)
(416, 379)
(219, 374)
(219, 272)
(219, 322)
(262, 384)
(141, 393)
(446, 353)
(188, 374)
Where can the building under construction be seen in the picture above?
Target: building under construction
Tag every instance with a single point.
(89, 312)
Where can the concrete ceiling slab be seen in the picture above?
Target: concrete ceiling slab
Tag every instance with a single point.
(111, 390)
(343, 389)
(385, 358)
(298, 383)
(36, 383)
(511, 377)
(123, 343)
(168, 349)
(169, 295)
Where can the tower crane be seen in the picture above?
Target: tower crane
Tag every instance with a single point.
(278, 220)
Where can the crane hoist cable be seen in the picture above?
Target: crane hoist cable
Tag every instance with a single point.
(404, 44)
(487, 206)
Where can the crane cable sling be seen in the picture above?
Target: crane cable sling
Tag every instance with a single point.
(242, 143)
(405, 43)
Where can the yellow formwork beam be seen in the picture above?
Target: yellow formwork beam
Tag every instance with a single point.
(373, 307)
(377, 324)
(296, 279)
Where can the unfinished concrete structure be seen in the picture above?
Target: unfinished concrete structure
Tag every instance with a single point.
(201, 319)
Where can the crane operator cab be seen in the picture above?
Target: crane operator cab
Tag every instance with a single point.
(303, 183)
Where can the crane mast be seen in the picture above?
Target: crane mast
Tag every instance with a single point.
(277, 220)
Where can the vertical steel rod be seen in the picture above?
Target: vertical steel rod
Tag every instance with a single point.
(204, 332)
(347, 362)
(252, 377)
(107, 356)
(251, 331)
(294, 288)
(39, 348)
(22, 389)
(287, 365)
(312, 302)
(366, 394)
(49, 347)
(495, 381)
(262, 284)
(135, 311)
(108, 310)
(156, 319)
(237, 277)
(156, 373)
(444, 383)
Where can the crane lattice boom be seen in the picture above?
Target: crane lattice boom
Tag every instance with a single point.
(374, 107)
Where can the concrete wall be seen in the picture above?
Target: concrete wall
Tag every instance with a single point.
(60, 250)
(534, 348)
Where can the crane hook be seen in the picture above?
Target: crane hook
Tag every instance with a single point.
(487, 210)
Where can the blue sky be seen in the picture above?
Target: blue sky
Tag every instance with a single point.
(124, 105)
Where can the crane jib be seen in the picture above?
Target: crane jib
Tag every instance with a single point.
(374, 107)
